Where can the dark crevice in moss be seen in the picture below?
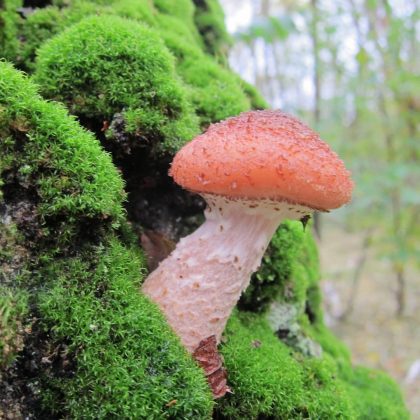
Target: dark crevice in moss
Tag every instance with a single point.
(37, 3)
(155, 202)
(310, 313)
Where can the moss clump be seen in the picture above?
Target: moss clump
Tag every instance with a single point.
(375, 395)
(128, 363)
(216, 93)
(9, 28)
(125, 69)
(98, 348)
(183, 11)
(62, 165)
(255, 97)
(267, 381)
(44, 23)
(272, 279)
(210, 21)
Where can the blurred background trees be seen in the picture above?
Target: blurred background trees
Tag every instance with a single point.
(348, 67)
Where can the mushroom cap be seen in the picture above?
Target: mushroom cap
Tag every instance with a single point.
(264, 154)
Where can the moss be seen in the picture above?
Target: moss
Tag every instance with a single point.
(255, 97)
(126, 70)
(9, 28)
(375, 395)
(178, 37)
(274, 278)
(45, 23)
(61, 161)
(69, 259)
(183, 11)
(216, 94)
(268, 381)
(129, 364)
(13, 309)
(209, 19)
(98, 348)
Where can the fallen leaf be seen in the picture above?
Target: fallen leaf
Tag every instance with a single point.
(211, 362)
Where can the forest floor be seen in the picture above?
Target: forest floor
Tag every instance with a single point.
(375, 336)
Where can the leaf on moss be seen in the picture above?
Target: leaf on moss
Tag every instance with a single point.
(211, 361)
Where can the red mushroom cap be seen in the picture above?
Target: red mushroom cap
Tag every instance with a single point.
(264, 154)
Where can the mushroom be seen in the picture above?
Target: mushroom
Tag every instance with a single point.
(254, 171)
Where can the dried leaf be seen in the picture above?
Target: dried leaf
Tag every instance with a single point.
(209, 359)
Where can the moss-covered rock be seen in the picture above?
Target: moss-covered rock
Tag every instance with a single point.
(210, 21)
(125, 70)
(77, 339)
(96, 347)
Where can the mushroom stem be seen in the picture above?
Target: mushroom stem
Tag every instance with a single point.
(200, 282)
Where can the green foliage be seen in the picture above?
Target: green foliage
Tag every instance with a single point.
(126, 69)
(129, 364)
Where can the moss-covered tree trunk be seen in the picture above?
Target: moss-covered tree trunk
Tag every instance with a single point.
(87, 207)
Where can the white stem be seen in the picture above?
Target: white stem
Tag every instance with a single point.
(198, 285)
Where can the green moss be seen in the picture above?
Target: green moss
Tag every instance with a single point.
(129, 364)
(210, 21)
(9, 28)
(275, 279)
(216, 94)
(13, 309)
(126, 69)
(182, 10)
(177, 37)
(375, 395)
(52, 154)
(111, 352)
(268, 381)
(255, 97)
(43, 23)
